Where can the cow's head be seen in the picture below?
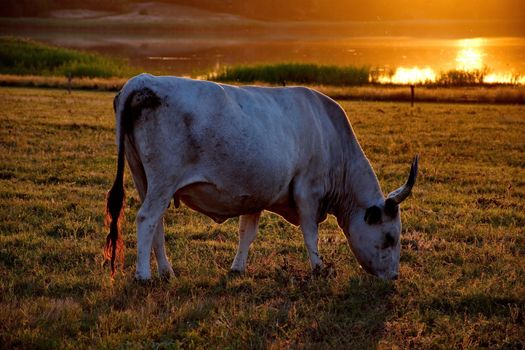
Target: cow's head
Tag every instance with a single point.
(374, 232)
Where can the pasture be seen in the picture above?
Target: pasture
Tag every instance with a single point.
(462, 275)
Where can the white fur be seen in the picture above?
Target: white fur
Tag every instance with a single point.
(231, 151)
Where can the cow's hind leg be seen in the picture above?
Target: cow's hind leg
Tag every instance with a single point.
(163, 264)
(248, 226)
(149, 215)
(139, 178)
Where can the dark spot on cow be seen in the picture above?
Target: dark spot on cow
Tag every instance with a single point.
(193, 149)
(373, 215)
(193, 157)
(389, 241)
(145, 98)
(137, 102)
(187, 119)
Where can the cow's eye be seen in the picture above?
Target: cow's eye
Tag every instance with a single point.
(373, 215)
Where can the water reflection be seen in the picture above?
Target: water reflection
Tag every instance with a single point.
(470, 54)
(470, 57)
(413, 75)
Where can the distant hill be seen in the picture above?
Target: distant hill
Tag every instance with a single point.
(300, 10)
(41, 8)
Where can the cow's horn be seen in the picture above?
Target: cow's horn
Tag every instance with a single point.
(403, 192)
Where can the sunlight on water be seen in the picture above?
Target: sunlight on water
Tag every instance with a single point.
(412, 75)
(470, 57)
(470, 54)
(502, 78)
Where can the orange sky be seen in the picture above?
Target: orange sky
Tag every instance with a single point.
(419, 9)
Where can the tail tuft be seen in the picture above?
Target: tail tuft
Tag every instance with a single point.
(114, 248)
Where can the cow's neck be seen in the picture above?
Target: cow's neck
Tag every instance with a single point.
(360, 188)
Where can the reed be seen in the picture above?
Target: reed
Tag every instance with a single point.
(457, 77)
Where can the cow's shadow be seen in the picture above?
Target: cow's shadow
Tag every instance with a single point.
(350, 316)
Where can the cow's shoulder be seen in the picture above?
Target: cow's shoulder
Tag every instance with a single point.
(328, 109)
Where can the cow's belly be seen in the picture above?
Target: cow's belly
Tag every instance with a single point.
(208, 199)
(220, 204)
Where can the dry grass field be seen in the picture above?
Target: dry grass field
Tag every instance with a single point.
(462, 277)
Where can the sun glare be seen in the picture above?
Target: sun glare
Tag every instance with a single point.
(413, 75)
(502, 78)
(470, 55)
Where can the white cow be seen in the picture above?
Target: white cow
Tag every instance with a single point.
(229, 151)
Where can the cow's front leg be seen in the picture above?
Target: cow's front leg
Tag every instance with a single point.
(148, 217)
(310, 234)
(248, 226)
(163, 264)
(307, 207)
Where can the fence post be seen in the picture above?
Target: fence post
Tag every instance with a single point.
(69, 78)
(412, 93)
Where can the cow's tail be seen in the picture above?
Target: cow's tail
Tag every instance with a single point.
(115, 200)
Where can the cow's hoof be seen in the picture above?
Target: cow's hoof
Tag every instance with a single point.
(166, 274)
(324, 271)
(317, 271)
(142, 278)
(236, 272)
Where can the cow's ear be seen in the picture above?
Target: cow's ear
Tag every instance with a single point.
(391, 207)
(373, 215)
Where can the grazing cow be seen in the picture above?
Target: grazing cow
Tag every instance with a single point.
(229, 151)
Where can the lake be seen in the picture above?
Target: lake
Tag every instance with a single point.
(202, 42)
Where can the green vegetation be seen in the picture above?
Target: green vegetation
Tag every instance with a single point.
(462, 282)
(24, 56)
(300, 73)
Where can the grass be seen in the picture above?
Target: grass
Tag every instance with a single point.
(27, 57)
(84, 83)
(474, 94)
(462, 282)
(300, 73)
